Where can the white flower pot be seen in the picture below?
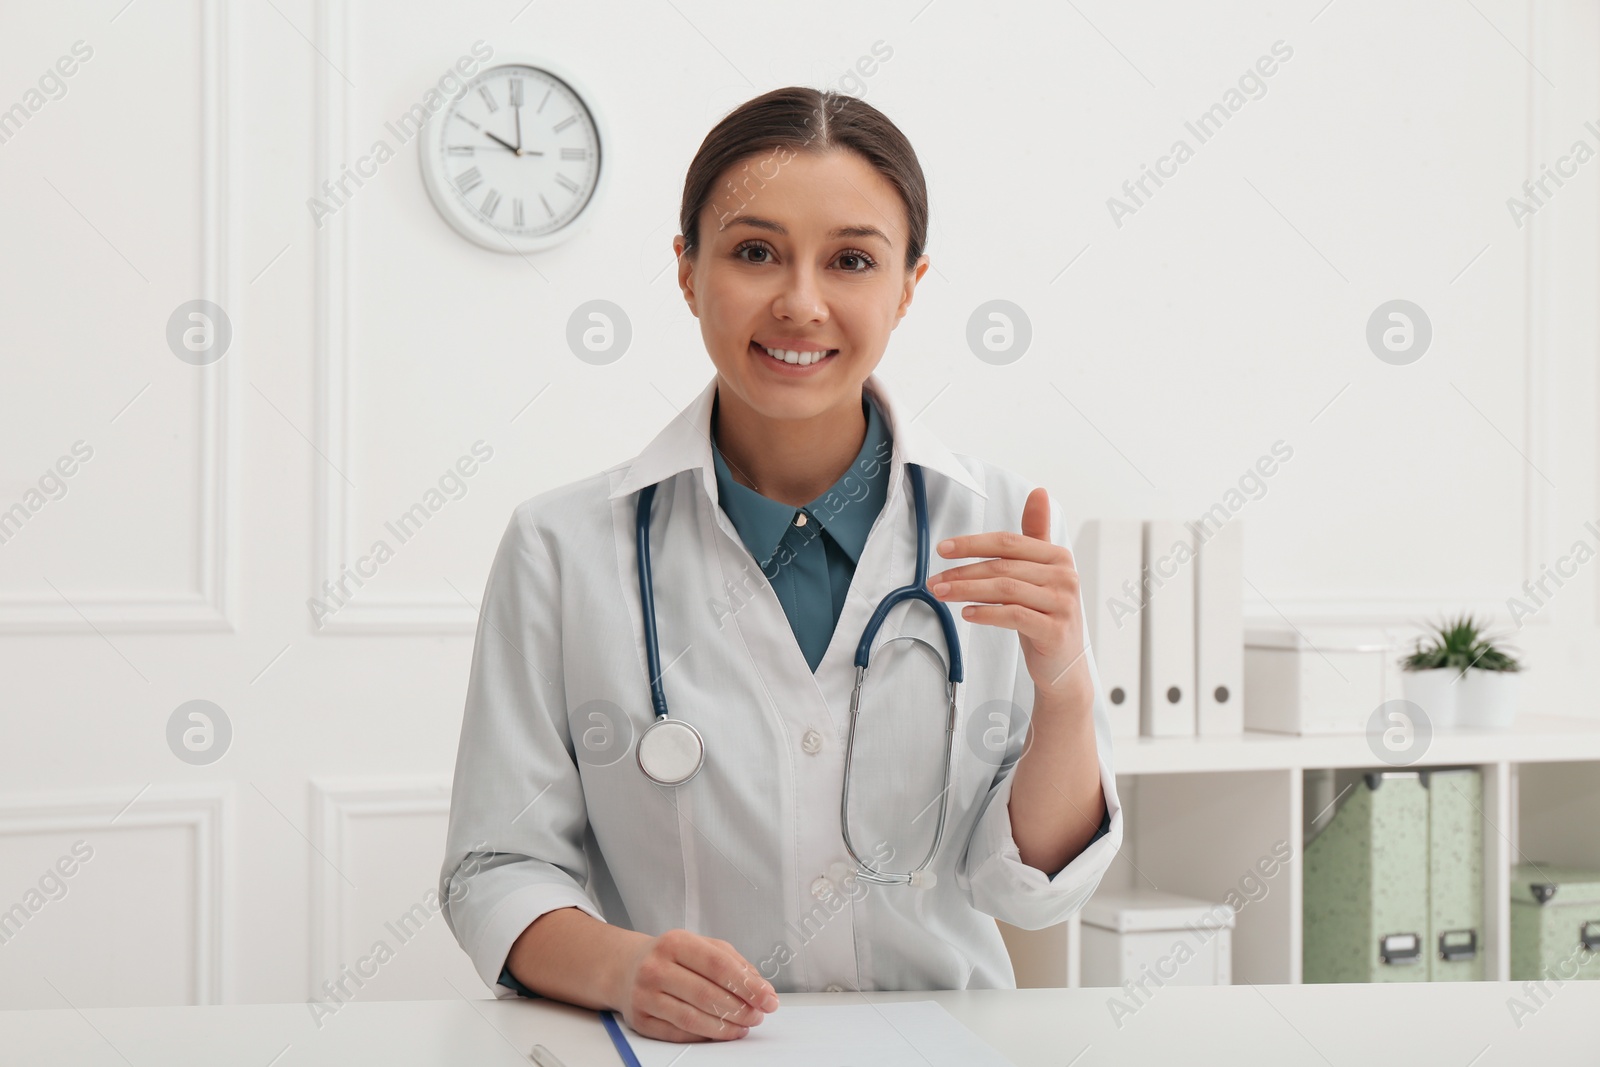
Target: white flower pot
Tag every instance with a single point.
(1432, 691)
(1487, 700)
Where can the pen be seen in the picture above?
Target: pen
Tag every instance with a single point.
(620, 1040)
(544, 1057)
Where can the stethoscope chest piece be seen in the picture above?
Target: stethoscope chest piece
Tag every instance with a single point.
(671, 752)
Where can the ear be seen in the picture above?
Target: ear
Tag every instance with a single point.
(913, 276)
(685, 273)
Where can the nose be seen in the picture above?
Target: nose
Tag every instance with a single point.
(801, 299)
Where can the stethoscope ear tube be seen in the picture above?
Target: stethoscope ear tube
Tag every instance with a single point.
(917, 590)
(647, 601)
(919, 877)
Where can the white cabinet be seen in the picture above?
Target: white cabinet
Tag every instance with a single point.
(1221, 819)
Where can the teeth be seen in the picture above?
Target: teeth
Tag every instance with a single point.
(804, 359)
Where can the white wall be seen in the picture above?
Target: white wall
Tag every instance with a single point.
(1168, 354)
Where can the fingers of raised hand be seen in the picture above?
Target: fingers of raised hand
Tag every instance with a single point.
(1043, 587)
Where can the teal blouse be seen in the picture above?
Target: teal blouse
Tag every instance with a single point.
(810, 565)
(809, 554)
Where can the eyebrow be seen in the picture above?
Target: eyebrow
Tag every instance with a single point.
(842, 231)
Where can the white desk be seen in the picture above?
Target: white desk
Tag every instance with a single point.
(1419, 1025)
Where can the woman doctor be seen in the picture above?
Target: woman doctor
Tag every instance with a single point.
(783, 513)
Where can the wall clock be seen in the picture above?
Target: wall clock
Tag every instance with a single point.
(515, 161)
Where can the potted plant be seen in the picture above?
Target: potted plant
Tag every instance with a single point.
(1461, 677)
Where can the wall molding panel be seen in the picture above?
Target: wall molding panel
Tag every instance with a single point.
(338, 807)
(210, 606)
(205, 811)
(1541, 420)
(332, 528)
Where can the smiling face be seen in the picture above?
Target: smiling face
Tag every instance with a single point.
(810, 262)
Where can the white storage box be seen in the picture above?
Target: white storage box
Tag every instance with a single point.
(1133, 934)
(1318, 681)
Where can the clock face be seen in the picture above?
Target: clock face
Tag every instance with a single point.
(514, 160)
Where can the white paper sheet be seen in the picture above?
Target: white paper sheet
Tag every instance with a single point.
(917, 1033)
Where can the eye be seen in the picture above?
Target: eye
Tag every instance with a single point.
(867, 261)
(738, 253)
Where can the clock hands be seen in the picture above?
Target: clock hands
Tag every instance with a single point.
(514, 149)
(509, 147)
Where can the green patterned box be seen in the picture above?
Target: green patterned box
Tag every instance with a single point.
(1455, 873)
(1555, 923)
(1393, 884)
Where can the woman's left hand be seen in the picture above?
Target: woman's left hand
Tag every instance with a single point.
(1031, 586)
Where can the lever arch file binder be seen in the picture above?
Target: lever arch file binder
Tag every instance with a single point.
(1166, 707)
(1219, 629)
(1108, 553)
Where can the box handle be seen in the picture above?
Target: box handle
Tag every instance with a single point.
(1458, 949)
(1589, 936)
(1400, 948)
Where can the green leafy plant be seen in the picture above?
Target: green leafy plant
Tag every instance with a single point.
(1458, 644)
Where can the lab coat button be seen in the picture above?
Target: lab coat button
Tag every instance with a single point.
(800, 518)
(821, 887)
(811, 741)
(833, 987)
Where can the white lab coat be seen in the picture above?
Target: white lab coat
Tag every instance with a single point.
(551, 810)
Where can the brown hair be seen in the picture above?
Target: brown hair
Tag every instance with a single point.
(800, 119)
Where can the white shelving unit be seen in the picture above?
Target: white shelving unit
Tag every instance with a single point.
(1201, 813)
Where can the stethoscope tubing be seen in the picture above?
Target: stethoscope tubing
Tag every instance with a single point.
(917, 590)
(647, 601)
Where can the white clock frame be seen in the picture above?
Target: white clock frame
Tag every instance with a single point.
(462, 214)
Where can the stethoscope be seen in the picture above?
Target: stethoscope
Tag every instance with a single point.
(671, 751)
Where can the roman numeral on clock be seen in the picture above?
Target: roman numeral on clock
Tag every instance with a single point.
(490, 202)
(516, 212)
(469, 180)
(574, 153)
(488, 99)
